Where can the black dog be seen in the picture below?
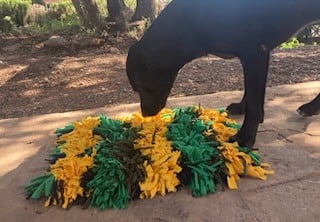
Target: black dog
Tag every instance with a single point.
(188, 29)
(311, 108)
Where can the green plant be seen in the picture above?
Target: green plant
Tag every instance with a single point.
(45, 24)
(40, 2)
(7, 24)
(102, 6)
(61, 9)
(22, 11)
(291, 44)
(131, 3)
(16, 10)
(36, 12)
(59, 16)
(138, 30)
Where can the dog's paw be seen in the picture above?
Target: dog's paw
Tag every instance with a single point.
(308, 110)
(248, 143)
(235, 109)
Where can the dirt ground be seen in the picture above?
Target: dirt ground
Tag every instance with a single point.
(35, 80)
(290, 143)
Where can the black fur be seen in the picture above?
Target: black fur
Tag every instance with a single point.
(188, 29)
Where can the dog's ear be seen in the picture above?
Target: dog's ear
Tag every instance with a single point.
(135, 66)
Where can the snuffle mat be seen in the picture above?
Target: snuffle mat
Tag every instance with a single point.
(106, 163)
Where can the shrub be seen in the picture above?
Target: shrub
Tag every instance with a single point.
(291, 44)
(39, 2)
(7, 24)
(61, 9)
(58, 16)
(17, 11)
(131, 4)
(21, 10)
(36, 12)
(102, 6)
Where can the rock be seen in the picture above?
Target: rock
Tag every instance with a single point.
(97, 42)
(46, 80)
(85, 43)
(56, 42)
(114, 50)
(12, 48)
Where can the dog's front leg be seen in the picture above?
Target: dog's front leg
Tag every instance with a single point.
(237, 108)
(255, 67)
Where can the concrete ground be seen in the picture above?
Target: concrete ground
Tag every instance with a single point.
(290, 143)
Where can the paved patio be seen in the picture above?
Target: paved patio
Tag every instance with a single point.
(290, 143)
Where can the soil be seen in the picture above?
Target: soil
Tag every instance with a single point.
(36, 80)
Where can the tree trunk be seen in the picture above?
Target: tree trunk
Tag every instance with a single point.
(116, 10)
(88, 12)
(79, 9)
(145, 9)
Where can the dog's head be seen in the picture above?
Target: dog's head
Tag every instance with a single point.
(152, 83)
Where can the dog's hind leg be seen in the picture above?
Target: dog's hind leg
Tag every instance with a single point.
(311, 108)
